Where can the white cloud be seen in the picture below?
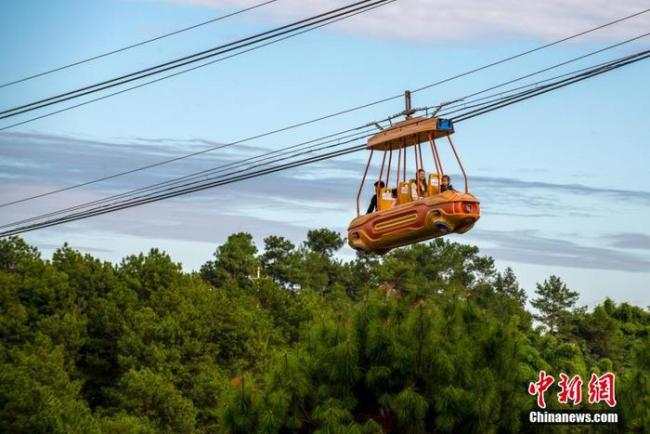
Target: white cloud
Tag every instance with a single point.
(530, 248)
(453, 20)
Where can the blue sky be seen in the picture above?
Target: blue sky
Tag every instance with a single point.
(563, 179)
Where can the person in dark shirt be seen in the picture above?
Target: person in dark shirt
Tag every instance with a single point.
(373, 202)
(445, 185)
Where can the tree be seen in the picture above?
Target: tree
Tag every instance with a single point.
(506, 283)
(143, 347)
(146, 275)
(235, 262)
(554, 302)
(37, 395)
(13, 251)
(324, 241)
(439, 264)
(150, 395)
(280, 260)
(635, 403)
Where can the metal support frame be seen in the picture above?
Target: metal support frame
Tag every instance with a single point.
(404, 169)
(399, 165)
(390, 160)
(417, 162)
(363, 180)
(420, 154)
(381, 173)
(407, 104)
(436, 158)
(462, 169)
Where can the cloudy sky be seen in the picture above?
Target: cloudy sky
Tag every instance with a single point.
(563, 179)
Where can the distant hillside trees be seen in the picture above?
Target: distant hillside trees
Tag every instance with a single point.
(290, 339)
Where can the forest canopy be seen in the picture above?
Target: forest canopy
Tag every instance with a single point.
(286, 338)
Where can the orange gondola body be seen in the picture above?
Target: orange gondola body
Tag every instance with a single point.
(403, 216)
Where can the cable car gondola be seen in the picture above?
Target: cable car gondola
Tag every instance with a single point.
(407, 214)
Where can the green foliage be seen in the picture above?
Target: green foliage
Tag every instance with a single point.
(150, 395)
(554, 302)
(429, 338)
(38, 395)
(636, 401)
(324, 241)
(410, 408)
(281, 261)
(15, 254)
(239, 414)
(235, 262)
(506, 283)
(122, 423)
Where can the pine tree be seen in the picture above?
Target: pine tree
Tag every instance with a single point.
(635, 402)
(235, 262)
(554, 302)
(506, 283)
(324, 241)
(280, 261)
(142, 347)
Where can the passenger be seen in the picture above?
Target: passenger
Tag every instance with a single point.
(373, 202)
(445, 184)
(421, 183)
(393, 198)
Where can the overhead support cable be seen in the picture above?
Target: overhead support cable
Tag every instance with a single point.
(281, 163)
(213, 184)
(360, 6)
(137, 44)
(315, 120)
(360, 133)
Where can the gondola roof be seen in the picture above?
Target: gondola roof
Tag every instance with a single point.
(411, 132)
